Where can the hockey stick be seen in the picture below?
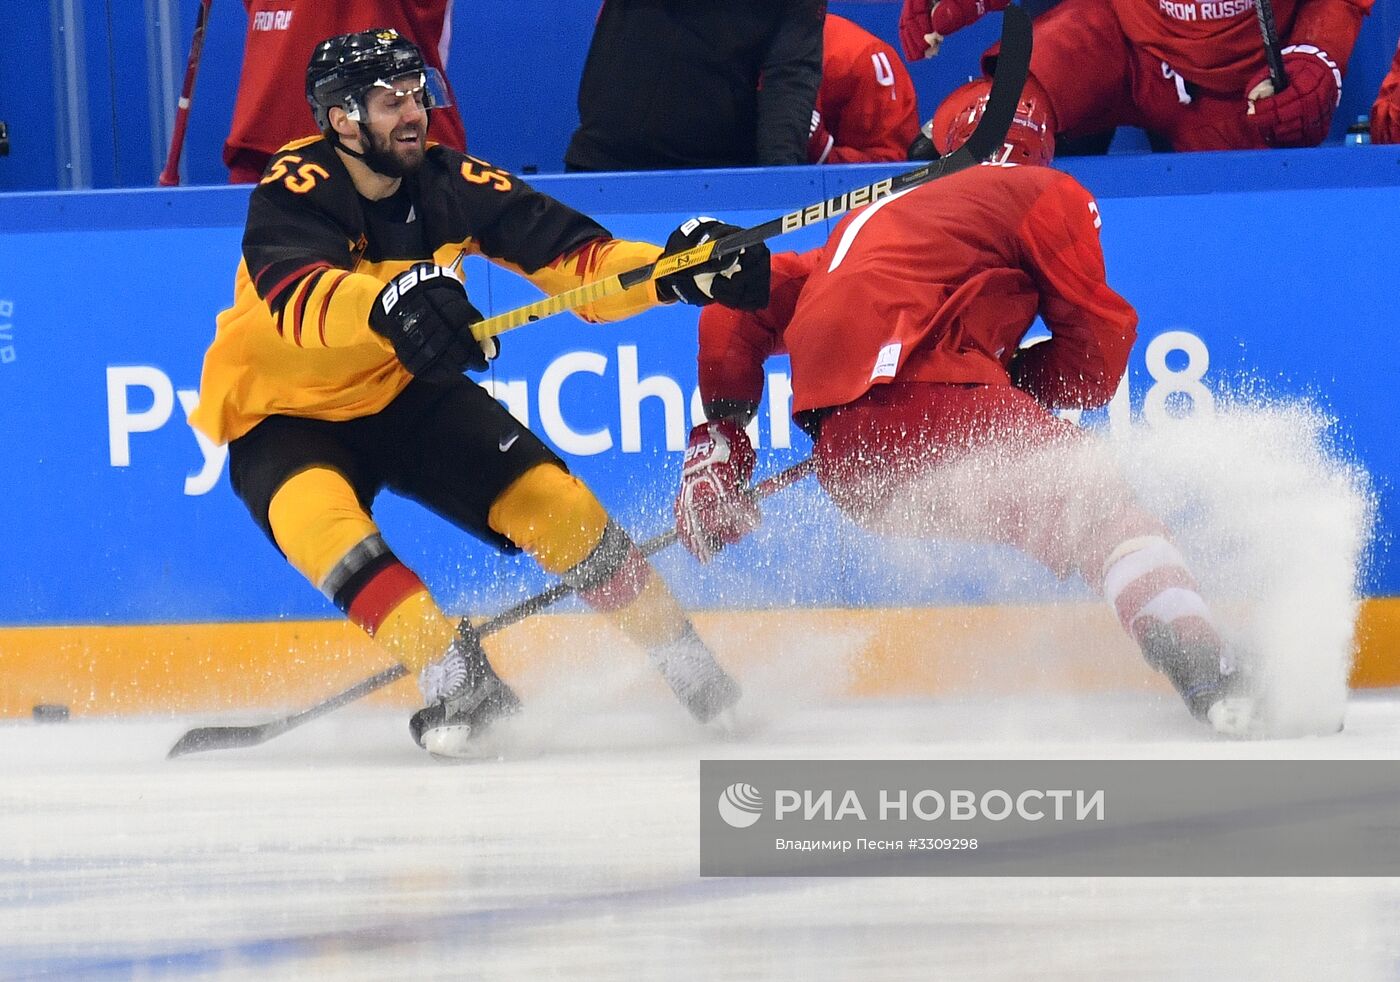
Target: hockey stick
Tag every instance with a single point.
(1013, 65)
(204, 738)
(170, 176)
(1273, 49)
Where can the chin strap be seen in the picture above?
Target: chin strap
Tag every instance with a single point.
(334, 137)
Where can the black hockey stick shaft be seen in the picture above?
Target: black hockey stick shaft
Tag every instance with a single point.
(1013, 65)
(1273, 48)
(204, 738)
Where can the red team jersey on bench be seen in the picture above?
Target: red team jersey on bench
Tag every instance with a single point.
(271, 109)
(866, 98)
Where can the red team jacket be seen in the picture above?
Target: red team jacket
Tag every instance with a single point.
(271, 109)
(937, 284)
(1216, 44)
(866, 98)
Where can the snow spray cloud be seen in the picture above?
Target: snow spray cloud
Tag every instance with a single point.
(1272, 519)
(1276, 524)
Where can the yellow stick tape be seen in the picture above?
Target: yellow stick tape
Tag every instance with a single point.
(581, 296)
(667, 265)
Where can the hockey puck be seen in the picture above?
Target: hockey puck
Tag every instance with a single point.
(50, 714)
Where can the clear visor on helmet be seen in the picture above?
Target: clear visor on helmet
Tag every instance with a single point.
(426, 88)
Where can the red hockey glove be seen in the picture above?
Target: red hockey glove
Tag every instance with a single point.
(1301, 114)
(915, 25)
(1385, 122)
(923, 24)
(714, 507)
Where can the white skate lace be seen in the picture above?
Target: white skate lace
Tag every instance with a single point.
(686, 665)
(444, 677)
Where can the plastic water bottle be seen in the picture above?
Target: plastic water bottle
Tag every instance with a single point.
(1359, 132)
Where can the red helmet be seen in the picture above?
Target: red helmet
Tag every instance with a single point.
(1030, 140)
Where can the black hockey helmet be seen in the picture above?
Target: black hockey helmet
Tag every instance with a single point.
(344, 68)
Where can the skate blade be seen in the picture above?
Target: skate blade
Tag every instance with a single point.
(454, 743)
(1238, 717)
(731, 724)
(1250, 718)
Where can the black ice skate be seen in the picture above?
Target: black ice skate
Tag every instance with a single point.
(702, 686)
(465, 696)
(1213, 688)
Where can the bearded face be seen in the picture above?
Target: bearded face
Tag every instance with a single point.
(396, 131)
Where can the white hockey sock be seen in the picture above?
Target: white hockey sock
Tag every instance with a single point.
(1145, 580)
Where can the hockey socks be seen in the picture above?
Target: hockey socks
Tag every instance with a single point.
(1147, 584)
(698, 681)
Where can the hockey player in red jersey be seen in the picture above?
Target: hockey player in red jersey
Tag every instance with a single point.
(1385, 114)
(866, 110)
(928, 419)
(269, 113)
(1191, 72)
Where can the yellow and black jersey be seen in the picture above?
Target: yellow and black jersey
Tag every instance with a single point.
(297, 340)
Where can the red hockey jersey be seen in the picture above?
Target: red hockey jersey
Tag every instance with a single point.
(271, 109)
(1216, 43)
(866, 99)
(937, 284)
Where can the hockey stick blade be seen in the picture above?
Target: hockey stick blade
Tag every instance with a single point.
(1013, 65)
(1012, 69)
(203, 738)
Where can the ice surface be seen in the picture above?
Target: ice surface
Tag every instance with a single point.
(341, 851)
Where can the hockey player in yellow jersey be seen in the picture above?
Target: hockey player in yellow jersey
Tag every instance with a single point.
(337, 373)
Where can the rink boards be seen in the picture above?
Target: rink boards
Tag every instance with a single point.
(966, 652)
(135, 574)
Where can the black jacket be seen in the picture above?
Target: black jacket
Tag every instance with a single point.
(698, 83)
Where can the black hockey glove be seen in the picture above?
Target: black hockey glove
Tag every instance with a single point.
(425, 314)
(739, 281)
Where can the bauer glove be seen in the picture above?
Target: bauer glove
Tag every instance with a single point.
(739, 280)
(425, 314)
(1301, 114)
